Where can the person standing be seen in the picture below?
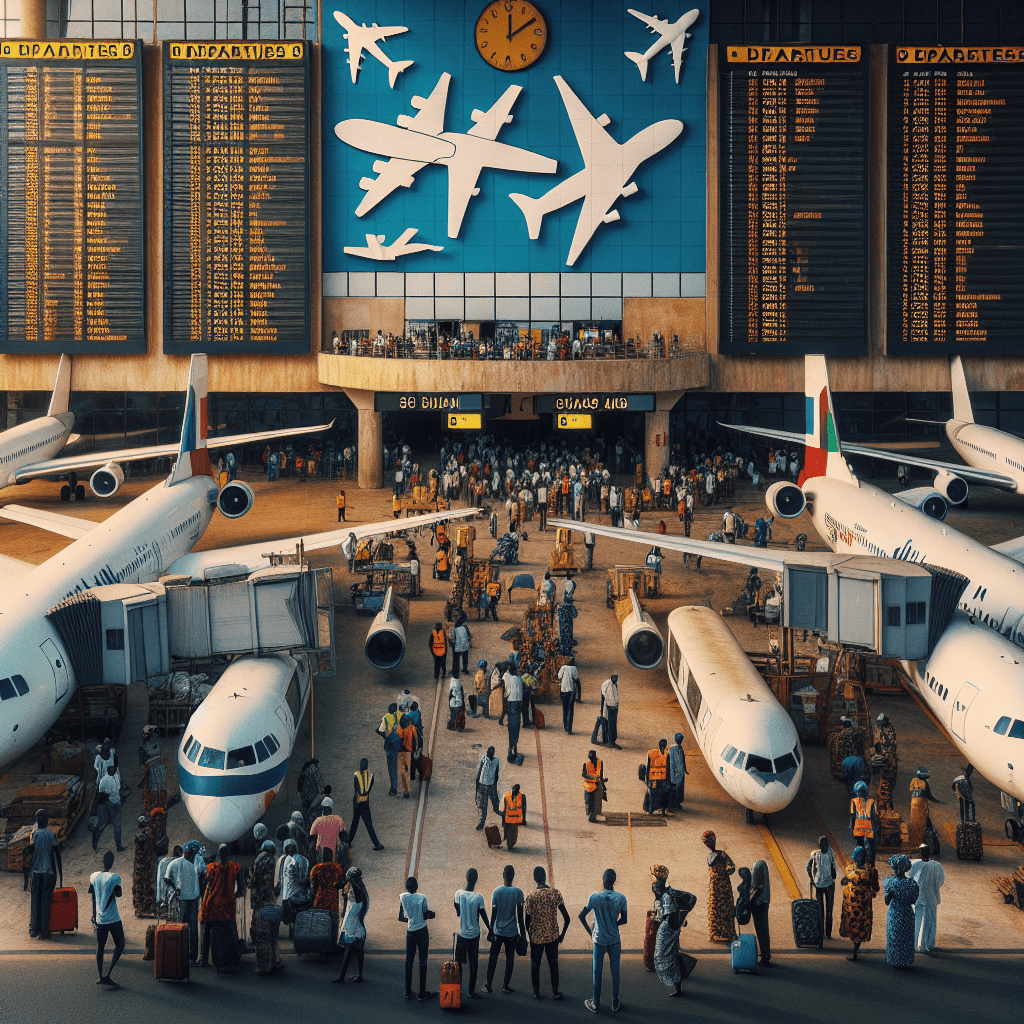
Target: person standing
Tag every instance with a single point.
(409, 737)
(456, 697)
(514, 708)
(860, 883)
(325, 880)
(388, 731)
(108, 808)
(341, 505)
(353, 925)
(327, 828)
(469, 909)
(413, 909)
(460, 643)
(821, 870)
(568, 679)
(487, 773)
(294, 883)
(182, 877)
(513, 814)
(261, 887)
(864, 819)
(438, 644)
(610, 910)
(677, 773)
(507, 925)
(105, 888)
(964, 791)
(721, 904)
(760, 899)
(541, 910)
(46, 869)
(657, 778)
(106, 757)
(362, 784)
(542, 506)
(901, 893)
(929, 876)
(224, 885)
(593, 785)
(610, 706)
(480, 685)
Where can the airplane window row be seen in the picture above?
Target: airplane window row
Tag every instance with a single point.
(933, 684)
(1016, 730)
(241, 757)
(13, 687)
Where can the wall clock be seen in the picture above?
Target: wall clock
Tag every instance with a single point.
(511, 34)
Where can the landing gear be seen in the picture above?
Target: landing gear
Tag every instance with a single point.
(65, 493)
(72, 489)
(1012, 830)
(80, 492)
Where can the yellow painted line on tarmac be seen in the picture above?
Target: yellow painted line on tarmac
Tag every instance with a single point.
(780, 860)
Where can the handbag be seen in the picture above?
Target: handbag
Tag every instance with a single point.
(521, 947)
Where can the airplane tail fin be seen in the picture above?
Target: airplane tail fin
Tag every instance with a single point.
(193, 458)
(962, 409)
(638, 60)
(823, 455)
(395, 69)
(531, 211)
(61, 396)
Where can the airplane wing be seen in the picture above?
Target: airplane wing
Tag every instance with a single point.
(589, 130)
(388, 30)
(1014, 548)
(91, 460)
(655, 24)
(256, 556)
(489, 122)
(52, 522)
(678, 48)
(12, 570)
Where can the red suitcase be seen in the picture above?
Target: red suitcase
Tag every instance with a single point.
(64, 911)
(650, 939)
(450, 996)
(170, 960)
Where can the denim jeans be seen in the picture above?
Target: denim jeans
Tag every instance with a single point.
(515, 718)
(42, 896)
(614, 951)
(416, 942)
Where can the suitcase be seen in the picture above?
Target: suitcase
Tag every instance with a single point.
(426, 766)
(493, 836)
(150, 942)
(451, 985)
(650, 938)
(64, 911)
(170, 959)
(744, 955)
(969, 845)
(313, 932)
(600, 726)
(806, 923)
(538, 718)
(223, 945)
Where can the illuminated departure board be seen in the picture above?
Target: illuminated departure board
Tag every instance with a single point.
(72, 268)
(956, 200)
(793, 199)
(236, 197)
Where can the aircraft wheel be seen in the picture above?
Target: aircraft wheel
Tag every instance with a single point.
(1012, 830)
(80, 492)
(65, 493)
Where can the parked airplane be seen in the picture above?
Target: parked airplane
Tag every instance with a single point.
(362, 38)
(27, 450)
(608, 167)
(421, 140)
(376, 249)
(672, 34)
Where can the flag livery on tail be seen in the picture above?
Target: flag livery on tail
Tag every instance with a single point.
(823, 455)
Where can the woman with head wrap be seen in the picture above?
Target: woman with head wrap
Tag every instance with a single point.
(721, 908)
(859, 887)
(920, 794)
(353, 927)
(672, 906)
(261, 886)
(901, 894)
(223, 887)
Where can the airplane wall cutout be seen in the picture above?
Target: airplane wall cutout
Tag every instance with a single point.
(670, 34)
(375, 249)
(361, 37)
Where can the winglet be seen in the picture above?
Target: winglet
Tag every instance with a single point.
(962, 409)
(395, 69)
(638, 60)
(531, 211)
(193, 458)
(61, 396)
(823, 455)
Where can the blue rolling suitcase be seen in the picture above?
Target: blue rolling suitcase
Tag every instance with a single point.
(744, 954)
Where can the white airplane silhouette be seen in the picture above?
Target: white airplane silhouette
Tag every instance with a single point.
(605, 176)
(376, 250)
(421, 140)
(361, 37)
(671, 34)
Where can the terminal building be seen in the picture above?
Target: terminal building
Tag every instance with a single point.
(419, 218)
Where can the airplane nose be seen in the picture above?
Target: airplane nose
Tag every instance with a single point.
(221, 821)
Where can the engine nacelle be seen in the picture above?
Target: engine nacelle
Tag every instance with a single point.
(385, 642)
(927, 500)
(641, 640)
(107, 480)
(235, 499)
(952, 487)
(785, 499)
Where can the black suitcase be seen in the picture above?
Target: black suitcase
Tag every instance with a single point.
(806, 923)
(600, 727)
(314, 932)
(969, 845)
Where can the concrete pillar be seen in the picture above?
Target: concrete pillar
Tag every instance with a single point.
(33, 19)
(655, 456)
(371, 439)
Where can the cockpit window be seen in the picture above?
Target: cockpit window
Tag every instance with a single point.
(1017, 730)
(739, 759)
(20, 685)
(272, 745)
(261, 751)
(211, 758)
(728, 754)
(756, 763)
(242, 757)
(192, 751)
(784, 763)
(1002, 725)
(7, 690)
(797, 754)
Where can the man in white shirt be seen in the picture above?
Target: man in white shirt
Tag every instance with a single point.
(542, 505)
(568, 680)
(487, 774)
(182, 876)
(821, 870)
(108, 807)
(469, 909)
(930, 877)
(610, 703)
(456, 698)
(514, 708)
(105, 887)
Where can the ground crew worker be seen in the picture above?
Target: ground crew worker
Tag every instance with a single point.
(396, 505)
(493, 599)
(388, 731)
(407, 734)
(362, 783)
(441, 564)
(729, 525)
(513, 814)
(341, 505)
(439, 649)
(657, 778)
(593, 785)
(864, 820)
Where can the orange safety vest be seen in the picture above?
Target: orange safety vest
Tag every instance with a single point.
(513, 809)
(565, 485)
(442, 560)
(438, 642)
(408, 735)
(862, 808)
(363, 783)
(341, 500)
(657, 762)
(592, 777)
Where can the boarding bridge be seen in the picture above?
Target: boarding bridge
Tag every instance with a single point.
(128, 632)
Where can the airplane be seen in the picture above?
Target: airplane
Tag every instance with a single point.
(421, 140)
(27, 451)
(608, 167)
(672, 34)
(362, 38)
(376, 249)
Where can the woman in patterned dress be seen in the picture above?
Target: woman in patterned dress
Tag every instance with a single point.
(859, 888)
(920, 794)
(353, 926)
(673, 905)
(721, 908)
(264, 934)
(223, 887)
(901, 894)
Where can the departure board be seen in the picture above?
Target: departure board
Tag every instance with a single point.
(955, 200)
(72, 267)
(236, 198)
(793, 200)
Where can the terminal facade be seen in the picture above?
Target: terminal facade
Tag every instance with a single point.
(534, 217)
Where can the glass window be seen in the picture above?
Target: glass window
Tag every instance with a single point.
(272, 745)
(693, 695)
(756, 763)
(916, 613)
(728, 754)
(241, 757)
(7, 691)
(193, 751)
(894, 615)
(797, 753)
(20, 685)
(1002, 725)
(211, 758)
(740, 757)
(1016, 730)
(261, 751)
(785, 763)
(115, 639)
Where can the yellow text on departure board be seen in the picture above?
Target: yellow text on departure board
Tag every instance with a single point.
(53, 49)
(793, 54)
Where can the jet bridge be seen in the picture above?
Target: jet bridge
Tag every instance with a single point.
(126, 633)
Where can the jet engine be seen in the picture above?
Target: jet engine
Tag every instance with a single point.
(235, 499)
(785, 499)
(641, 640)
(107, 480)
(927, 500)
(952, 487)
(385, 642)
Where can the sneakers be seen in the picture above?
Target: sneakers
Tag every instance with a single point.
(378, 848)
(616, 1006)
(487, 988)
(424, 996)
(590, 1005)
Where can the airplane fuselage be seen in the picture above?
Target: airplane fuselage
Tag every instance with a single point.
(866, 520)
(35, 441)
(987, 448)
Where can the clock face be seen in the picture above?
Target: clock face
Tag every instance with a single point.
(511, 34)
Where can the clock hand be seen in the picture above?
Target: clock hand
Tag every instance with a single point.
(509, 36)
(521, 27)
